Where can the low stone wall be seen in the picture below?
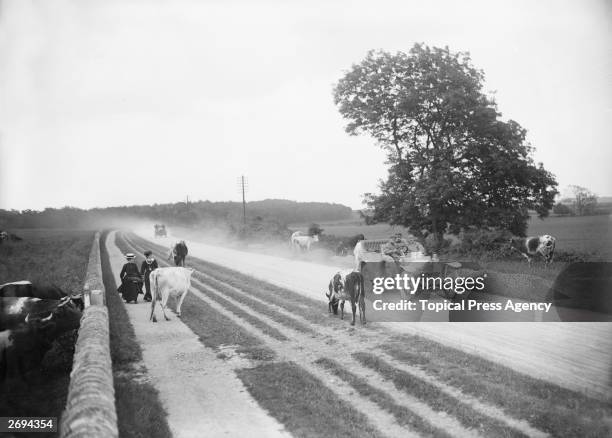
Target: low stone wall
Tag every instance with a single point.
(93, 277)
(90, 408)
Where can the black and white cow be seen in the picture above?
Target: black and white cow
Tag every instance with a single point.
(28, 327)
(529, 247)
(347, 285)
(25, 288)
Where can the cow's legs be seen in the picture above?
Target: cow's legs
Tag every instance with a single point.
(180, 303)
(163, 304)
(154, 291)
(361, 298)
(152, 317)
(354, 309)
(342, 309)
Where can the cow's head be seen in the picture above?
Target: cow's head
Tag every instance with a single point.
(547, 240)
(62, 318)
(337, 283)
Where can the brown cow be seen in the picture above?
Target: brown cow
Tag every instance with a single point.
(347, 285)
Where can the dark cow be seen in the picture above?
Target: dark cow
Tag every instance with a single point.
(347, 245)
(529, 247)
(179, 252)
(28, 327)
(347, 285)
(43, 291)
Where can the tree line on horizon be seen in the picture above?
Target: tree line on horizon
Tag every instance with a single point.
(227, 214)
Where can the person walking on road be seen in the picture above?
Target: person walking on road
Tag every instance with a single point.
(131, 281)
(148, 266)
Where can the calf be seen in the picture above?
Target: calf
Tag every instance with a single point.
(167, 281)
(347, 244)
(529, 247)
(347, 285)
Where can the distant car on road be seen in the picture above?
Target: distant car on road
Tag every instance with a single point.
(160, 230)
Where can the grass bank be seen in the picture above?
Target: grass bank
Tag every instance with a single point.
(558, 411)
(284, 389)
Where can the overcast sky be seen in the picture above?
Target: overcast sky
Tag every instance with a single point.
(138, 102)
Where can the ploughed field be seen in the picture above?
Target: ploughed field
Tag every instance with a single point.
(319, 376)
(46, 256)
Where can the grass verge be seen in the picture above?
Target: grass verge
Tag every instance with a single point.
(558, 411)
(436, 399)
(284, 388)
(403, 415)
(139, 411)
(240, 296)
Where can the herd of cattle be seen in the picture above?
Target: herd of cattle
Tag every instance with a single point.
(349, 284)
(32, 316)
(528, 247)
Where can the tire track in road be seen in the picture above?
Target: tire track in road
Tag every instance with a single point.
(498, 422)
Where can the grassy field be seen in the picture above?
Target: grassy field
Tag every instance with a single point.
(139, 410)
(48, 256)
(580, 233)
(584, 234)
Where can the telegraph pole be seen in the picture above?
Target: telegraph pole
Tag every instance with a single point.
(242, 182)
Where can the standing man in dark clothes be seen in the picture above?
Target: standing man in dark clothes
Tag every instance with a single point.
(148, 266)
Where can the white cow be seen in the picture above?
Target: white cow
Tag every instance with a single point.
(300, 241)
(174, 281)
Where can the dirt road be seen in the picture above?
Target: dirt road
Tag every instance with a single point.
(576, 356)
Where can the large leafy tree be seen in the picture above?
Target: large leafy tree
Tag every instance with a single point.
(453, 163)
